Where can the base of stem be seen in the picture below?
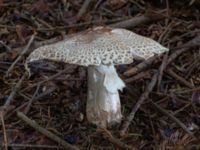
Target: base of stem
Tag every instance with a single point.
(103, 102)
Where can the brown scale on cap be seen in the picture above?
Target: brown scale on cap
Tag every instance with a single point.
(100, 45)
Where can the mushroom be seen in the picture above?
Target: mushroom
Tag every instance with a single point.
(99, 49)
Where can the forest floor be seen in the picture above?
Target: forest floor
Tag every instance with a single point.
(47, 110)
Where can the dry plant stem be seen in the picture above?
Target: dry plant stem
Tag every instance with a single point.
(143, 97)
(175, 39)
(103, 106)
(141, 66)
(172, 118)
(83, 9)
(179, 78)
(47, 42)
(45, 132)
(192, 43)
(107, 21)
(127, 24)
(44, 23)
(20, 55)
(7, 48)
(161, 69)
(188, 90)
(50, 90)
(4, 131)
(108, 135)
(182, 108)
(26, 146)
(165, 32)
(48, 79)
(14, 91)
(31, 100)
(138, 76)
(130, 23)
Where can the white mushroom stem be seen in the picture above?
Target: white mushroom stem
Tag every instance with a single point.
(103, 102)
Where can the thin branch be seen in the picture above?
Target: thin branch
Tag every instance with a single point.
(108, 135)
(188, 90)
(34, 146)
(143, 97)
(7, 48)
(141, 66)
(50, 90)
(161, 69)
(20, 55)
(31, 100)
(93, 22)
(173, 118)
(147, 18)
(165, 32)
(67, 69)
(179, 78)
(45, 132)
(192, 43)
(4, 131)
(84, 8)
(14, 91)
(138, 76)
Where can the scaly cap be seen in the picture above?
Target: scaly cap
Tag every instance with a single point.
(100, 45)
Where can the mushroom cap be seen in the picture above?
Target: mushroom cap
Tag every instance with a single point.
(99, 45)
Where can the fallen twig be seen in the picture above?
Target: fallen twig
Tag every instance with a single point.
(172, 118)
(161, 69)
(4, 131)
(147, 18)
(83, 9)
(50, 90)
(143, 97)
(45, 132)
(175, 39)
(138, 76)
(28, 106)
(192, 43)
(141, 66)
(14, 91)
(179, 78)
(7, 48)
(94, 22)
(20, 55)
(67, 69)
(188, 90)
(24, 146)
(108, 135)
